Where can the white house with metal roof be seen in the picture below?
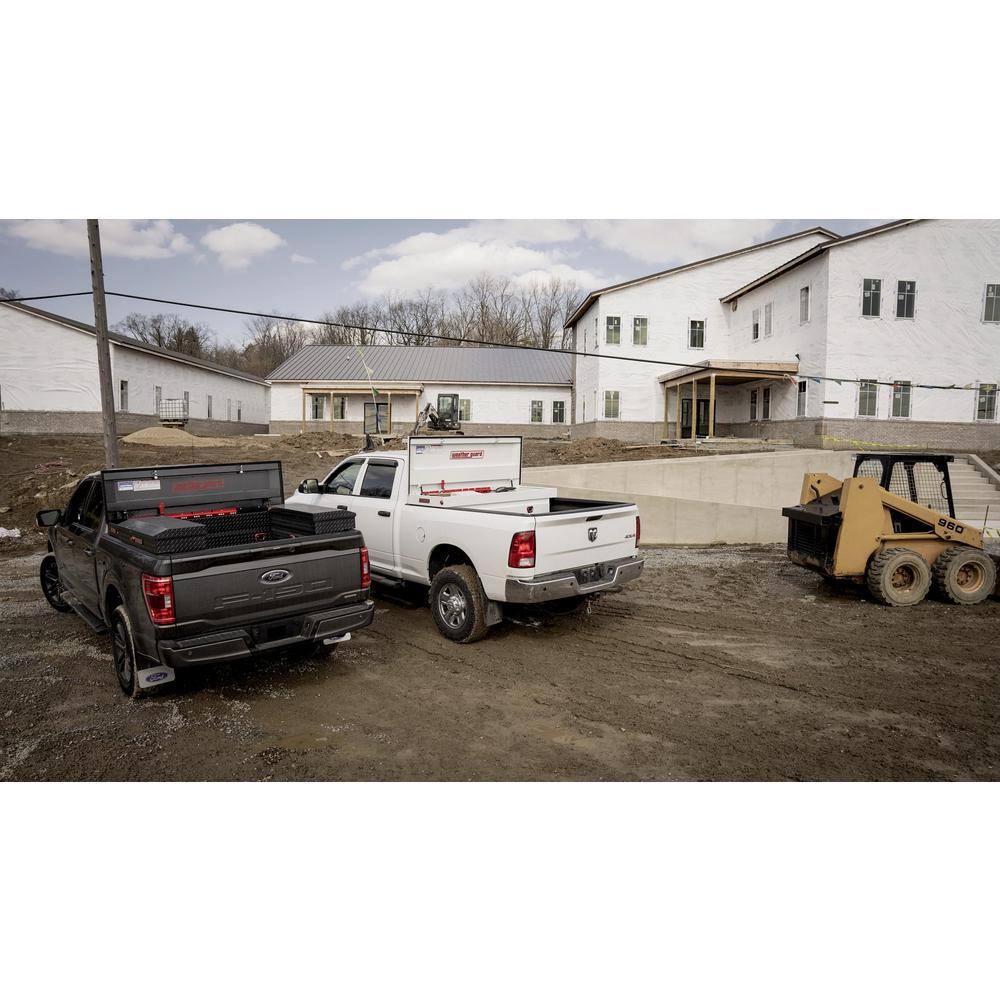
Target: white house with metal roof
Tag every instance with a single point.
(49, 381)
(500, 389)
(833, 342)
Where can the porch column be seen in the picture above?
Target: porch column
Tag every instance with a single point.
(331, 412)
(303, 411)
(711, 406)
(677, 426)
(694, 409)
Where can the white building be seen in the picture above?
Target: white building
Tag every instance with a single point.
(500, 390)
(49, 381)
(852, 332)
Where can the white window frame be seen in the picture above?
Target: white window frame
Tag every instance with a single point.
(229, 409)
(765, 403)
(881, 298)
(704, 332)
(808, 303)
(802, 397)
(541, 411)
(996, 398)
(912, 281)
(613, 396)
(123, 395)
(239, 410)
(158, 398)
(768, 318)
(321, 398)
(465, 410)
(636, 320)
(753, 405)
(892, 399)
(607, 331)
(208, 406)
(861, 388)
(562, 403)
(755, 325)
(343, 407)
(996, 301)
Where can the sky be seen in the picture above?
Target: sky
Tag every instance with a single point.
(307, 267)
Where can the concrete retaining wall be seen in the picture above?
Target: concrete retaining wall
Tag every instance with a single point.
(89, 422)
(701, 501)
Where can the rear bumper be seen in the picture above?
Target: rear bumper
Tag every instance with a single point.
(565, 583)
(239, 644)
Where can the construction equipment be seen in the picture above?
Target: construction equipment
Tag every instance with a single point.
(443, 417)
(891, 525)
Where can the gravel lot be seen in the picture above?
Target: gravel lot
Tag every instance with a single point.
(718, 664)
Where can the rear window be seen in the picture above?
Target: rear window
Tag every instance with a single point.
(378, 481)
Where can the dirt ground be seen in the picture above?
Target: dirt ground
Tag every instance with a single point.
(720, 663)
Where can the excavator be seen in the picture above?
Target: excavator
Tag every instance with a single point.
(891, 526)
(443, 417)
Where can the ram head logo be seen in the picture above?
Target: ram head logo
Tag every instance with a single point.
(592, 534)
(275, 576)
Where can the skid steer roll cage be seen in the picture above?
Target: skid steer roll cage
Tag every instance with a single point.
(912, 485)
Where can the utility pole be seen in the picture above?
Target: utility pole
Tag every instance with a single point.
(103, 350)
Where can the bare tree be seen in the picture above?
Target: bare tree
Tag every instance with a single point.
(546, 306)
(269, 342)
(354, 324)
(170, 331)
(9, 293)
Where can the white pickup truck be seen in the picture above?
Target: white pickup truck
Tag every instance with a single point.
(452, 514)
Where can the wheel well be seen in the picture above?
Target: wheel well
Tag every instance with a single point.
(446, 555)
(112, 598)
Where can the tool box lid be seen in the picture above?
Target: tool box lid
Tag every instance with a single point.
(180, 488)
(463, 463)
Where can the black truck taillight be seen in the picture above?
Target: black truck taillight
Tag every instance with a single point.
(159, 594)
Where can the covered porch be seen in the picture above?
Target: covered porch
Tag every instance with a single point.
(350, 406)
(691, 395)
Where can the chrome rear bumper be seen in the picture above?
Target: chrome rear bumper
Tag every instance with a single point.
(566, 583)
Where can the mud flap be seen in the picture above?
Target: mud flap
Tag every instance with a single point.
(152, 677)
(493, 613)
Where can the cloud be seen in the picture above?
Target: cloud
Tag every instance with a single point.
(670, 241)
(298, 258)
(238, 245)
(135, 239)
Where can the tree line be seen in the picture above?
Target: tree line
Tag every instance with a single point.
(486, 309)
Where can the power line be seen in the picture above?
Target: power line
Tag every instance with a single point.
(763, 372)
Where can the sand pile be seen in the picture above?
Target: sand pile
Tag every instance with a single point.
(174, 437)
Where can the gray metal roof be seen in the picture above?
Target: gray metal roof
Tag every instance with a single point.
(426, 364)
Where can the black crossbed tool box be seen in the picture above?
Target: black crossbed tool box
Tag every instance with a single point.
(162, 536)
(291, 519)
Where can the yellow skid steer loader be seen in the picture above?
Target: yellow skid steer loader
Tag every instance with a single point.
(891, 525)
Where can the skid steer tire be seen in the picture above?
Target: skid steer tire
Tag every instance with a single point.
(963, 575)
(898, 577)
(459, 604)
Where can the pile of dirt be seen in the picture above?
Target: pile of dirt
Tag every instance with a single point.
(174, 437)
(323, 442)
(591, 450)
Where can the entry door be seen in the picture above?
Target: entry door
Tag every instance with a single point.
(383, 418)
(702, 429)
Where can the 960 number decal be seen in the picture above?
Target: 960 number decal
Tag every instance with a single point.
(943, 522)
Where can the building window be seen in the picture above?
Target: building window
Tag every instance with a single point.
(465, 410)
(768, 312)
(558, 411)
(986, 403)
(867, 398)
(640, 331)
(612, 404)
(906, 299)
(804, 304)
(900, 399)
(317, 407)
(696, 333)
(871, 297)
(991, 308)
(339, 407)
(537, 407)
(800, 404)
(157, 398)
(239, 409)
(756, 324)
(753, 404)
(229, 409)
(123, 395)
(187, 403)
(208, 406)
(613, 334)
(766, 404)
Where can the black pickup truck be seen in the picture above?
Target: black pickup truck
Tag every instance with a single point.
(196, 564)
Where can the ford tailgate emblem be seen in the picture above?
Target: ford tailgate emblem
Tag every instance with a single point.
(592, 534)
(275, 576)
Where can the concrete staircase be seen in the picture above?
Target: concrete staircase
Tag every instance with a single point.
(975, 492)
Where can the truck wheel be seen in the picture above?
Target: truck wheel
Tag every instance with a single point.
(48, 575)
(963, 575)
(459, 604)
(123, 652)
(898, 577)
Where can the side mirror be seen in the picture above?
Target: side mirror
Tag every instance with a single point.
(309, 486)
(48, 518)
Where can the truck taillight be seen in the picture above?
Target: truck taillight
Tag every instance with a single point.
(522, 550)
(366, 569)
(638, 529)
(159, 594)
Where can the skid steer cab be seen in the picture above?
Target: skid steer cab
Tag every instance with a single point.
(891, 525)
